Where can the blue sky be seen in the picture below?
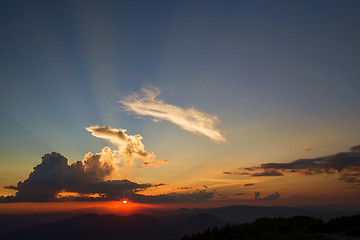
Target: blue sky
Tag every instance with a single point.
(280, 76)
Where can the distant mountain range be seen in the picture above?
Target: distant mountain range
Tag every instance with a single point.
(155, 225)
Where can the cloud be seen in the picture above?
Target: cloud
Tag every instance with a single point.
(344, 164)
(249, 168)
(129, 145)
(307, 149)
(155, 163)
(87, 176)
(197, 196)
(190, 119)
(239, 194)
(223, 196)
(328, 164)
(273, 196)
(185, 188)
(267, 173)
(355, 148)
(89, 179)
(248, 185)
(193, 187)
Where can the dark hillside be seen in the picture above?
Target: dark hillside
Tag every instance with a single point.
(299, 227)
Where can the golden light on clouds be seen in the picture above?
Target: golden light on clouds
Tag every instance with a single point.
(189, 119)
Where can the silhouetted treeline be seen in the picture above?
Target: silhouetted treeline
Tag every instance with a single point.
(351, 225)
(295, 228)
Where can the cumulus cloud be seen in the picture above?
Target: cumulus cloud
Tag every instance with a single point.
(89, 179)
(87, 176)
(344, 164)
(273, 196)
(190, 119)
(129, 145)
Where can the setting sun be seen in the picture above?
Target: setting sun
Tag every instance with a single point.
(124, 201)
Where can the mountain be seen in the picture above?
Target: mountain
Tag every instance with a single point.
(155, 224)
(298, 227)
(109, 226)
(238, 214)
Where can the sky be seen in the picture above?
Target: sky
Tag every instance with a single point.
(238, 102)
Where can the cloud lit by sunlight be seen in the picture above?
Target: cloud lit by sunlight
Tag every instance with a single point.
(57, 180)
(129, 145)
(190, 119)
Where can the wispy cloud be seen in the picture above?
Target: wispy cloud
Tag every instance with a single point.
(248, 184)
(155, 163)
(190, 119)
(266, 173)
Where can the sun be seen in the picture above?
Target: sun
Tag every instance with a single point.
(124, 201)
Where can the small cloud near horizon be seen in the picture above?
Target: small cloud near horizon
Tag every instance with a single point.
(273, 196)
(248, 185)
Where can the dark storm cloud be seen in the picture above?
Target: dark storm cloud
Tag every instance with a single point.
(273, 196)
(89, 180)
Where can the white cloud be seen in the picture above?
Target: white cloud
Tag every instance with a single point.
(129, 145)
(190, 119)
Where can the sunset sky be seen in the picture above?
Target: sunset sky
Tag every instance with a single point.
(233, 102)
